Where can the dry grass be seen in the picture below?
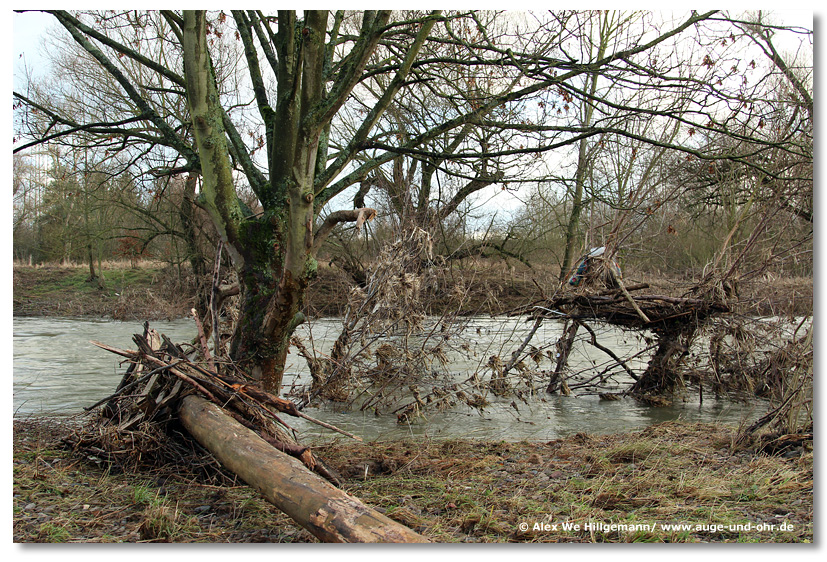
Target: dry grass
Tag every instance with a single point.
(451, 491)
(492, 287)
(62, 498)
(669, 473)
(147, 292)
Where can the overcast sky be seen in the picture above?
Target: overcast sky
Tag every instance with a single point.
(28, 30)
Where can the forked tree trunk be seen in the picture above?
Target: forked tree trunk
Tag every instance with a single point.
(324, 510)
(274, 253)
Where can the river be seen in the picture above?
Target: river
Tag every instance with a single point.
(58, 372)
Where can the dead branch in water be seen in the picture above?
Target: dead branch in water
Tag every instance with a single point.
(595, 291)
(200, 377)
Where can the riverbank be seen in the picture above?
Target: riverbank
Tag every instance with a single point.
(150, 291)
(144, 292)
(671, 482)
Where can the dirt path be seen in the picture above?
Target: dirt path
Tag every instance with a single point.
(585, 488)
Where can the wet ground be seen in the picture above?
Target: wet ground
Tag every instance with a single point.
(671, 482)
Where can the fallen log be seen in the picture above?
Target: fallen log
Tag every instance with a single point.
(327, 512)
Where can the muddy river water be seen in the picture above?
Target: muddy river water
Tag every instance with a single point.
(58, 372)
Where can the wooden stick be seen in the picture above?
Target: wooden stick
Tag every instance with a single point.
(122, 352)
(280, 404)
(124, 388)
(608, 351)
(288, 407)
(213, 301)
(203, 339)
(629, 297)
(516, 355)
(186, 378)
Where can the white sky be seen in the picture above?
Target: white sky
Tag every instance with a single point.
(29, 29)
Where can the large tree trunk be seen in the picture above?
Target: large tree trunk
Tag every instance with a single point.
(325, 511)
(271, 301)
(274, 253)
(269, 252)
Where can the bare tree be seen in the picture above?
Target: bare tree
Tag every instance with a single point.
(304, 75)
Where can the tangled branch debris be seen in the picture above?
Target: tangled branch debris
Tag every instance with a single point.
(387, 348)
(786, 374)
(140, 418)
(596, 292)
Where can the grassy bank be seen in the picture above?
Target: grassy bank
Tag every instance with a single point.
(450, 491)
(145, 292)
(152, 292)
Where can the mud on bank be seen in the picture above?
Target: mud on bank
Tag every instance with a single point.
(448, 490)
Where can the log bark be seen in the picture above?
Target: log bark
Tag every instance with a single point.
(325, 511)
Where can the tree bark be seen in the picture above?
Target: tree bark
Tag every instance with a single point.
(325, 511)
(563, 347)
(662, 375)
(218, 186)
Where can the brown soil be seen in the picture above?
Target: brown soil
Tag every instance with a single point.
(450, 491)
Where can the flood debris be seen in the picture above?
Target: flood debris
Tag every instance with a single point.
(391, 355)
(166, 395)
(786, 375)
(595, 292)
(160, 374)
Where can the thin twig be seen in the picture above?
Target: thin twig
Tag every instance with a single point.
(203, 338)
(213, 302)
(608, 351)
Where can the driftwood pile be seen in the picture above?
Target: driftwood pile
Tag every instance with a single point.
(616, 305)
(241, 430)
(161, 373)
(600, 295)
